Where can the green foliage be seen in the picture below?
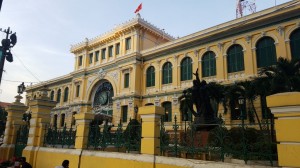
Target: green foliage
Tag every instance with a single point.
(3, 115)
(218, 137)
(252, 135)
(235, 140)
(283, 77)
(132, 133)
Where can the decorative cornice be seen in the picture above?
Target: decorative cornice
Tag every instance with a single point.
(119, 29)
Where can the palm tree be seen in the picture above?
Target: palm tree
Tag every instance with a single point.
(250, 95)
(284, 76)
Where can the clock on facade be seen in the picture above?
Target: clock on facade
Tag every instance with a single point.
(103, 102)
(103, 97)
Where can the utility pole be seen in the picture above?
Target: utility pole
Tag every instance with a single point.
(5, 48)
(1, 4)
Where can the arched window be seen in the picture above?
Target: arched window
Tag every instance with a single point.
(235, 58)
(58, 95)
(167, 73)
(52, 95)
(66, 94)
(186, 69)
(55, 121)
(62, 120)
(150, 77)
(168, 111)
(265, 52)
(295, 44)
(209, 64)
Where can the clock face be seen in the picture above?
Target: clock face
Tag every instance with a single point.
(103, 102)
(103, 97)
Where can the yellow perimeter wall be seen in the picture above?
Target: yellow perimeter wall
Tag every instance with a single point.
(49, 158)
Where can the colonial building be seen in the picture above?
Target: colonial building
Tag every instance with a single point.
(138, 64)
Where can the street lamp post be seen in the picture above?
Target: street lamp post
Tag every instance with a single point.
(7, 44)
(136, 110)
(241, 101)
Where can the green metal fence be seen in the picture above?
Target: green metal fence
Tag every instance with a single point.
(59, 138)
(115, 138)
(21, 139)
(218, 141)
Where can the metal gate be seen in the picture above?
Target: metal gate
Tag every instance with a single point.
(21, 140)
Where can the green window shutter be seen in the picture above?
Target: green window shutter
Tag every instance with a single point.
(167, 73)
(91, 58)
(55, 121)
(124, 113)
(182, 72)
(77, 90)
(235, 59)
(62, 120)
(150, 77)
(103, 52)
(66, 94)
(189, 69)
(153, 77)
(186, 69)
(52, 95)
(265, 52)
(295, 44)
(110, 51)
(117, 48)
(58, 96)
(128, 43)
(80, 61)
(97, 56)
(209, 64)
(126, 80)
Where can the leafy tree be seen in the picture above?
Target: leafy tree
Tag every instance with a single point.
(3, 115)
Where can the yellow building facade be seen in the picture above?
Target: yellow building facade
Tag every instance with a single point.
(138, 64)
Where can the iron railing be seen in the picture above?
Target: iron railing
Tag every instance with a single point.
(59, 138)
(218, 141)
(111, 138)
(21, 139)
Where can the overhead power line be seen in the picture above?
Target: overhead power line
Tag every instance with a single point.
(27, 68)
(17, 81)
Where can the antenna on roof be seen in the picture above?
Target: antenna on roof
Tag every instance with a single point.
(243, 6)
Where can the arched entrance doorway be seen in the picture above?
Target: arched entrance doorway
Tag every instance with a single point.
(102, 101)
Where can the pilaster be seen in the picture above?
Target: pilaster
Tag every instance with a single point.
(286, 110)
(150, 129)
(82, 130)
(40, 117)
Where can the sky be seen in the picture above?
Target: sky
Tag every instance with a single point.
(46, 29)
